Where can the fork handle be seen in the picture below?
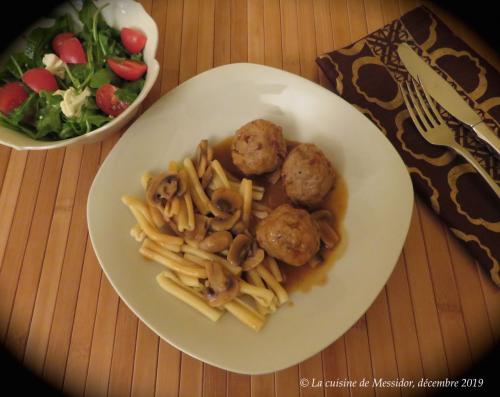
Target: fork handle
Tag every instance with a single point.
(470, 158)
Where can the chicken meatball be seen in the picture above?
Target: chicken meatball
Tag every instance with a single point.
(258, 147)
(289, 234)
(307, 175)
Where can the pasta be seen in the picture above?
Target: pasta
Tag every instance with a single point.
(178, 213)
(246, 192)
(175, 287)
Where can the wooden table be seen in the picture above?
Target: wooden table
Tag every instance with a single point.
(59, 315)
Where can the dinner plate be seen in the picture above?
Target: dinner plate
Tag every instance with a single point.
(213, 105)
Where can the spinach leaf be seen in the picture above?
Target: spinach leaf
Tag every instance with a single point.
(49, 114)
(129, 91)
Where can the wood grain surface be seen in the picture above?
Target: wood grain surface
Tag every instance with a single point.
(59, 316)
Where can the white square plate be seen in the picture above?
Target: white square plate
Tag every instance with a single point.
(213, 105)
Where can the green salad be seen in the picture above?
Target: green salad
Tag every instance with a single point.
(70, 81)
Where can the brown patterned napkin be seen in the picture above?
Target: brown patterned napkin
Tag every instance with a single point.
(366, 75)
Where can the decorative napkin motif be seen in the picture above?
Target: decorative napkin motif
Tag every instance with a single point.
(367, 73)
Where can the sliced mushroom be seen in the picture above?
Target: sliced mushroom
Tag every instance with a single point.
(254, 260)
(216, 277)
(217, 242)
(222, 287)
(238, 228)
(161, 189)
(225, 202)
(327, 234)
(245, 252)
(322, 215)
(239, 250)
(225, 224)
(324, 219)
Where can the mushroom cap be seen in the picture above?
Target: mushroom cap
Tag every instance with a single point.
(225, 224)
(222, 287)
(239, 249)
(327, 234)
(217, 241)
(325, 220)
(225, 202)
(161, 189)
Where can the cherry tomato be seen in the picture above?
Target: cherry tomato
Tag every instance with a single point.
(127, 69)
(133, 40)
(59, 40)
(108, 102)
(39, 79)
(71, 51)
(12, 95)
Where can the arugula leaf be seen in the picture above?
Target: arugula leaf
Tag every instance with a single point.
(110, 44)
(130, 90)
(89, 119)
(101, 77)
(87, 13)
(7, 122)
(19, 119)
(49, 114)
(15, 66)
(137, 57)
(38, 40)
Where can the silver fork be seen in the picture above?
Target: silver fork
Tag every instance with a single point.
(433, 128)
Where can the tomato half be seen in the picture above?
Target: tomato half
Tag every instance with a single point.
(133, 40)
(59, 40)
(12, 95)
(127, 69)
(71, 51)
(108, 102)
(39, 79)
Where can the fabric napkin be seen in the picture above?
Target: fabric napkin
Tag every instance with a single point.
(367, 73)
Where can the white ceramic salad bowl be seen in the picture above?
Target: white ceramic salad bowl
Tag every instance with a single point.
(118, 14)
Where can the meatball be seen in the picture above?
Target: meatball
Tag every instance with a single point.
(258, 147)
(307, 175)
(289, 234)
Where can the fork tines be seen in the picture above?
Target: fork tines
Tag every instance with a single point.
(422, 111)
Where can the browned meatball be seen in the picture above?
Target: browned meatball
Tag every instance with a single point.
(289, 234)
(258, 147)
(307, 175)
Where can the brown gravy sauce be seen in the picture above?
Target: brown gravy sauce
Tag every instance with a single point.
(297, 278)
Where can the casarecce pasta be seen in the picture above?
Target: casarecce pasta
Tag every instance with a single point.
(195, 219)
